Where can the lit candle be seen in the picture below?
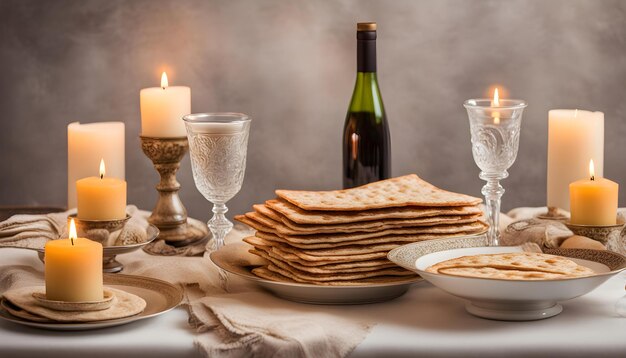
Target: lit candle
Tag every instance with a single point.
(163, 108)
(574, 136)
(86, 145)
(593, 201)
(101, 198)
(73, 269)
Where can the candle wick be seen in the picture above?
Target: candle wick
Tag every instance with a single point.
(72, 240)
(593, 177)
(101, 176)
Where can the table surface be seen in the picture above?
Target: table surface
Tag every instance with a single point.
(424, 322)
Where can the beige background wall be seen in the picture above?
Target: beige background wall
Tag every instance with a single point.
(290, 65)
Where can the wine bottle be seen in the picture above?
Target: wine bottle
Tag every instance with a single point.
(366, 139)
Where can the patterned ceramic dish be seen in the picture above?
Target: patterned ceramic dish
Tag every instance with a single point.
(513, 300)
(237, 261)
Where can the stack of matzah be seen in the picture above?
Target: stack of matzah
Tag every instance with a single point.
(342, 237)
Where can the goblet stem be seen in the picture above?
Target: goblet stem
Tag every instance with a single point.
(493, 193)
(219, 226)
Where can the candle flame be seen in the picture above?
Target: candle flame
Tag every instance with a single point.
(164, 82)
(102, 168)
(592, 172)
(73, 234)
(496, 103)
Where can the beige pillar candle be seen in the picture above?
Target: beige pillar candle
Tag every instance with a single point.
(101, 198)
(73, 269)
(163, 108)
(86, 145)
(593, 200)
(574, 137)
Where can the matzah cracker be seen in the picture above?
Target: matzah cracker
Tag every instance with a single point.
(469, 228)
(408, 190)
(311, 260)
(326, 263)
(342, 237)
(399, 239)
(319, 278)
(287, 227)
(300, 216)
(267, 274)
(340, 251)
(490, 272)
(290, 255)
(316, 269)
(519, 261)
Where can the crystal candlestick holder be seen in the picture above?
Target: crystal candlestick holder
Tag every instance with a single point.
(495, 131)
(169, 214)
(218, 144)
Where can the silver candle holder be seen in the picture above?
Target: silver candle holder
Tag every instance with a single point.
(98, 230)
(554, 214)
(613, 237)
(169, 215)
(101, 231)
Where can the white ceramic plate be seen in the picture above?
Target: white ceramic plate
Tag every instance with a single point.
(515, 300)
(160, 297)
(239, 262)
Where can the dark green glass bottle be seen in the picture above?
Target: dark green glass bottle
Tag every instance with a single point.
(366, 139)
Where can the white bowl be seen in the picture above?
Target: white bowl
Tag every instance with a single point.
(500, 299)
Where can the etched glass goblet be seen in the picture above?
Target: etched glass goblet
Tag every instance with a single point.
(495, 131)
(218, 144)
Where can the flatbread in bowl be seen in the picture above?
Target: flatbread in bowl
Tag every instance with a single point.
(512, 266)
(514, 297)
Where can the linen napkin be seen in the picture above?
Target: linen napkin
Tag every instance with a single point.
(33, 231)
(523, 225)
(233, 318)
(260, 325)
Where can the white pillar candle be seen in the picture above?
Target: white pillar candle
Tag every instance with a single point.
(163, 108)
(574, 137)
(87, 144)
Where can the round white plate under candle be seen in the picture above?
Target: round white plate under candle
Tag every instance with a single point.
(510, 300)
(160, 297)
(241, 265)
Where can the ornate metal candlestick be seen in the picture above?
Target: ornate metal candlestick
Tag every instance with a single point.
(553, 213)
(169, 214)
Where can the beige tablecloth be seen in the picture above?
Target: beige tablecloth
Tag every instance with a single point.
(247, 321)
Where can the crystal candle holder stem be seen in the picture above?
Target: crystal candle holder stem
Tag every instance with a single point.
(495, 131)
